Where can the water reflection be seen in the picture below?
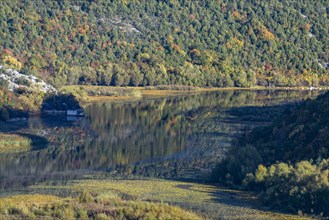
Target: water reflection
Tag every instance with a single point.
(169, 137)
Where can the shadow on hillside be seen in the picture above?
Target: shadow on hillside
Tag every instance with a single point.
(223, 201)
(244, 200)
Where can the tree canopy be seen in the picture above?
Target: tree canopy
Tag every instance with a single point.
(202, 43)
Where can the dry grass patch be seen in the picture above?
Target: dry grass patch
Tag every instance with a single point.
(211, 202)
(159, 190)
(36, 199)
(13, 143)
(86, 206)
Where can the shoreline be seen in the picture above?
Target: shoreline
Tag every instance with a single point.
(130, 93)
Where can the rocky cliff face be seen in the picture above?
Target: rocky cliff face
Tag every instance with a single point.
(16, 80)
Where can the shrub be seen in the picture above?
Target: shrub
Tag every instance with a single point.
(3, 83)
(21, 90)
(233, 169)
(4, 114)
(300, 187)
(22, 81)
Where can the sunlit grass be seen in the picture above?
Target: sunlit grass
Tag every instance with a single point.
(207, 200)
(167, 191)
(13, 143)
(35, 199)
(26, 206)
(86, 207)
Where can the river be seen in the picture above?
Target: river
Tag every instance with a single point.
(172, 138)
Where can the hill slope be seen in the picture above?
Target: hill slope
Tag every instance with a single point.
(287, 162)
(297, 135)
(203, 43)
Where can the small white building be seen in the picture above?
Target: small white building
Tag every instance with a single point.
(77, 112)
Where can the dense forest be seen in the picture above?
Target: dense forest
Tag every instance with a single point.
(202, 43)
(287, 162)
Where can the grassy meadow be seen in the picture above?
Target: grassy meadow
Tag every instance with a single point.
(158, 199)
(86, 206)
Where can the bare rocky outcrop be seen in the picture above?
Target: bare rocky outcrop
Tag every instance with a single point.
(16, 80)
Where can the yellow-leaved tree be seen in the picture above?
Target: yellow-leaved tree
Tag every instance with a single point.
(11, 62)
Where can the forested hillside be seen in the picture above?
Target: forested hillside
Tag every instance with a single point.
(202, 43)
(288, 161)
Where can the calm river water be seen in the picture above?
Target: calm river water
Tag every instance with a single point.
(175, 137)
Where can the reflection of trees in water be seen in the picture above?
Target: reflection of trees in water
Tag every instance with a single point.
(141, 131)
(165, 137)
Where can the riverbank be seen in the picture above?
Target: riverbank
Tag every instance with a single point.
(115, 94)
(85, 94)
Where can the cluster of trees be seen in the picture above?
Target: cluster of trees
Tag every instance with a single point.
(25, 100)
(202, 43)
(19, 102)
(286, 161)
(302, 187)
